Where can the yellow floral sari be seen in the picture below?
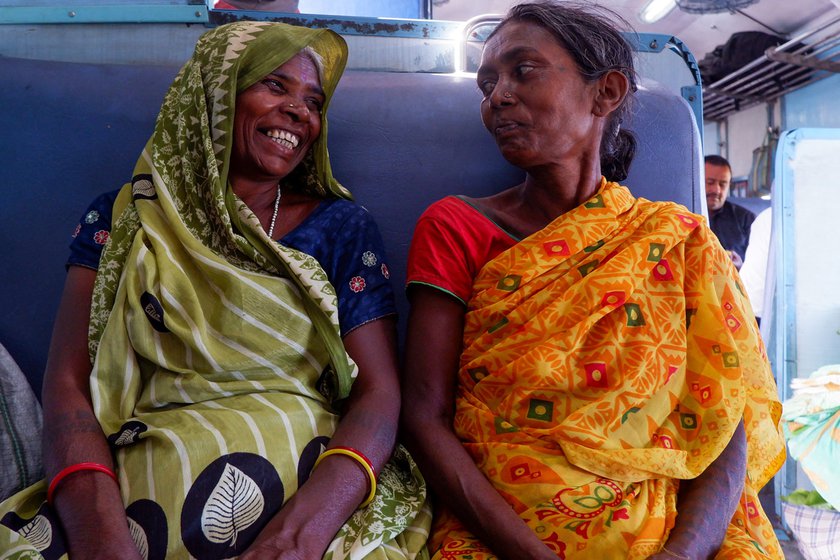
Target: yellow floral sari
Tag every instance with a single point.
(607, 357)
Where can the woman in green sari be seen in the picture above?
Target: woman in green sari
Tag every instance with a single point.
(229, 343)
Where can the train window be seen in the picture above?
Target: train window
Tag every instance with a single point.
(411, 9)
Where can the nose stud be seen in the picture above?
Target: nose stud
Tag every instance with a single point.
(291, 105)
(507, 95)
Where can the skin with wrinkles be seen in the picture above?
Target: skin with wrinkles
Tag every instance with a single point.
(287, 100)
(548, 120)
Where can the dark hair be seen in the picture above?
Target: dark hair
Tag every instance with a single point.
(719, 161)
(592, 36)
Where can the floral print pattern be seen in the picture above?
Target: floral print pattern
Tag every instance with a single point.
(357, 284)
(101, 236)
(400, 502)
(353, 233)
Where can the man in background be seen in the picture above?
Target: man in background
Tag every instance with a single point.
(730, 222)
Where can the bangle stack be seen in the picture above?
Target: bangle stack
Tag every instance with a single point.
(363, 462)
(78, 467)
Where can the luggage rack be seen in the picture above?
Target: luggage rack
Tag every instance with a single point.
(805, 59)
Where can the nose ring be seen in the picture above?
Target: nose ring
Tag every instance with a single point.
(507, 95)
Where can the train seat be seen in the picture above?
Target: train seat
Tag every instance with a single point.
(398, 141)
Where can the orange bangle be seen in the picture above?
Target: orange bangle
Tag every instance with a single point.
(67, 471)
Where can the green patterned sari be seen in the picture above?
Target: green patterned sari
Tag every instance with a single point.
(217, 356)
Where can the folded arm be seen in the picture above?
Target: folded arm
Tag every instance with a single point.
(706, 504)
(433, 350)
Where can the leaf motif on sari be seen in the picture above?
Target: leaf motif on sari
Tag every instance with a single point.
(234, 505)
(138, 535)
(38, 532)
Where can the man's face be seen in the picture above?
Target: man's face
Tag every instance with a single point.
(717, 185)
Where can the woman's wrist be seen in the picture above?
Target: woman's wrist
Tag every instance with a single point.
(77, 469)
(302, 525)
(361, 460)
(673, 554)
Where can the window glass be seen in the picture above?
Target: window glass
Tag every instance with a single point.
(411, 9)
(462, 10)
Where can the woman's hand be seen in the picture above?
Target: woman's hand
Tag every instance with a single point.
(435, 334)
(305, 526)
(666, 556)
(307, 523)
(88, 503)
(293, 534)
(706, 504)
(269, 552)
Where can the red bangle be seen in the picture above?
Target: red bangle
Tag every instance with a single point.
(361, 455)
(67, 471)
(363, 462)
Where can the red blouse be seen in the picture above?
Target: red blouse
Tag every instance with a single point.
(452, 241)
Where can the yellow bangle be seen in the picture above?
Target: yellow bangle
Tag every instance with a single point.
(363, 461)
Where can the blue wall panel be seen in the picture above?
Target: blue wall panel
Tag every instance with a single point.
(813, 106)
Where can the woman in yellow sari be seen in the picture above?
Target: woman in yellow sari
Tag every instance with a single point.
(583, 375)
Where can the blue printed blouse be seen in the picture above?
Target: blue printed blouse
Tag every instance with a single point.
(339, 234)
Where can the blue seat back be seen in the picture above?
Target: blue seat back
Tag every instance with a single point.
(398, 141)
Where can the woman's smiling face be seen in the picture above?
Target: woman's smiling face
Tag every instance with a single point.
(536, 104)
(277, 120)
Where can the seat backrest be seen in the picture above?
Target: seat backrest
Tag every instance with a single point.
(398, 141)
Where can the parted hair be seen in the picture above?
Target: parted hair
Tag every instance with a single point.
(592, 36)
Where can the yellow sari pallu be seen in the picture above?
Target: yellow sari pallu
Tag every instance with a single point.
(607, 357)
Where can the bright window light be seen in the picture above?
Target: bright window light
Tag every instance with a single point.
(655, 10)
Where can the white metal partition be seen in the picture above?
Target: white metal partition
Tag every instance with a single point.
(803, 331)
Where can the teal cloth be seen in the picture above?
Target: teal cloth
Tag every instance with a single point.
(811, 422)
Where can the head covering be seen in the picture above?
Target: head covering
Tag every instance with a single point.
(233, 57)
(192, 141)
(180, 197)
(228, 60)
